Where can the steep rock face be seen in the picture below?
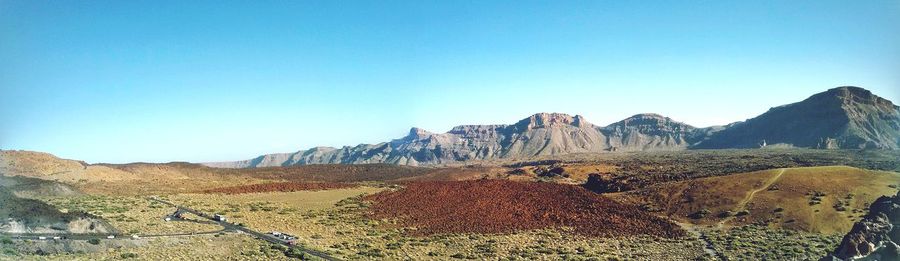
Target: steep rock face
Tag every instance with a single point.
(651, 132)
(840, 118)
(539, 134)
(550, 133)
(876, 236)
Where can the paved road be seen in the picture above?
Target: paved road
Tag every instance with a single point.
(226, 226)
(232, 227)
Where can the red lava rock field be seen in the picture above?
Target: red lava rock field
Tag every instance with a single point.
(280, 187)
(501, 206)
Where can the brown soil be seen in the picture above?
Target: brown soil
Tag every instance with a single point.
(279, 187)
(500, 206)
(777, 201)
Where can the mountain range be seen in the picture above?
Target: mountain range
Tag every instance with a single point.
(839, 118)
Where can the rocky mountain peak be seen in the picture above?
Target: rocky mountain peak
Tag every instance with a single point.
(418, 133)
(547, 120)
(652, 121)
(839, 118)
(853, 95)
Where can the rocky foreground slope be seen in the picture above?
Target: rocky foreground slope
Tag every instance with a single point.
(876, 237)
(840, 118)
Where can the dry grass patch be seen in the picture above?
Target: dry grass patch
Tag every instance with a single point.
(205, 247)
(815, 199)
(131, 215)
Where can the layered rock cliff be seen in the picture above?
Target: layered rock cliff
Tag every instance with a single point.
(840, 118)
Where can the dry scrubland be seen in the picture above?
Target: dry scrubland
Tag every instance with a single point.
(201, 247)
(630, 171)
(624, 171)
(125, 179)
(337, 221)
(132, 215)
(280, 187)
(136, 179)
(815, 199)
(763, 243)
(341, 222)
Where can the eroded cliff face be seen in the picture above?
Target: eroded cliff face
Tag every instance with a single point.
(840, 118)
(539, 134)
(876, 236)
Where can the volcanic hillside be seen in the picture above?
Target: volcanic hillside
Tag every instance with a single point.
(501, 206)
(844, 117)
(181, 177)
(817, 199)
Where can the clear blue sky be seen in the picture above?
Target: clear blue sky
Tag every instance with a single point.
(158, 81)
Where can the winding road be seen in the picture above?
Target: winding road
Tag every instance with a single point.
(226, 227)
(233, 227)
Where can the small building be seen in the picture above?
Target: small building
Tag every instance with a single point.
(219, 218)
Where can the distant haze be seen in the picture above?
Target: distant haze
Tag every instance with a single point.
(125, 81)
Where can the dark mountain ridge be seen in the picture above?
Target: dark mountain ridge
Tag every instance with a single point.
(840, 118)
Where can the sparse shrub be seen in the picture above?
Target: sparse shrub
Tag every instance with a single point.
(650, 207)
(375, 252)
(6, 241)
(742, 213)
(458, 256)
(394, 245)
(699, 214)
(128, 255)
(94, 241)
(295, 252)
(518, 171)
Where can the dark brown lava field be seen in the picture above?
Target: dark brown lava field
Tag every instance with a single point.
(500, 206)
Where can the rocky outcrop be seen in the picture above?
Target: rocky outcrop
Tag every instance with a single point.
(652, 132)
(840, 118)
(876, 236)
(539, 134)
